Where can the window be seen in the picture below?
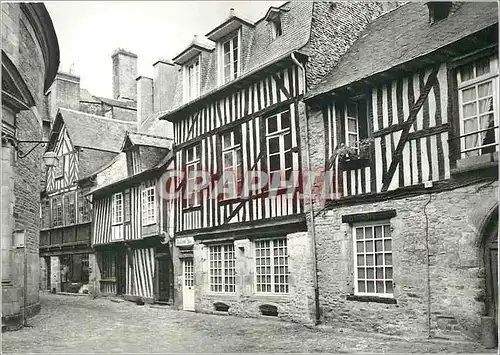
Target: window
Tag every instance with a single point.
(477, 90)
(373, 261)
(222, 271)
(230, 59)
(271, 266)
(108, 265)
(59, 168)
(193, 79)
(117, 208)
(231, 159)
(276, 30)
(45, 213)
(83, 209)
(279, 147)
(70, 208)
(351, 124)
(57, 212)
(148, 206)
(193, 166)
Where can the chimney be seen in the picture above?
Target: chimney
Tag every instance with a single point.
(231, 12)
(64, 92)
(438, 10)
(164, 84)
(124, 75)
(144, 99)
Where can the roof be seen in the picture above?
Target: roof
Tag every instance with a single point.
(149, 140)
(403, 35)
(90, 160)
(96, 132)
(196, 46)
(261, 52)
(118, 103)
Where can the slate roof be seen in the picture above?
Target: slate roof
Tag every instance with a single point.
(402, 35)
(118, 103)
(150, 140)
(91, 160)
(97, 132)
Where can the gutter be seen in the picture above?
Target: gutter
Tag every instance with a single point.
(311, 212)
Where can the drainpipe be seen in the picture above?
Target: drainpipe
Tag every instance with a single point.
(311, 212)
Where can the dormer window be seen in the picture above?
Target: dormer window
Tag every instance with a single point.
(273, 17)
(230, 58)
(276, 30)
(192, 79)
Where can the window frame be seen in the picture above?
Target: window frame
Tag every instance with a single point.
(233, 73)
(194, 199)
(236, 150)
(348, 117)
(224, 285)
(272, 274)
(463, 85)
(276, 28)
(364, 225)
(191, 92)
(58, 213)
(116, 212)
(148, 206)
(281, 134)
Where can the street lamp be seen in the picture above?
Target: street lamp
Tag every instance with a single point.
(49, 158)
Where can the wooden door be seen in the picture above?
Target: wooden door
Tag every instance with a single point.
(164, 279)
(491, 266)
(121, 273)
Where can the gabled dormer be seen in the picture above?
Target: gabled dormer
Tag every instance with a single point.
(228, 39)
(143, 151)
(274, 18)
(190, 60)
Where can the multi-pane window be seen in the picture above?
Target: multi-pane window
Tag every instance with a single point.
(271, 266)
(222, 271)
(188, 273)
(83, 209)
(231, 160)
(70, 208)
(279, 148)
(276, 29)
(351, 124)
(477, 90)
(193, 166)
(193, 79)
(45, 213)
(57, 212)
(373, 259)
(230, 59)
(148, 206)
(117, 208)
(108, 269)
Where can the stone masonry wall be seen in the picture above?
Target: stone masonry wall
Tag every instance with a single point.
(335, 26)
(297, 305)
(457, 281)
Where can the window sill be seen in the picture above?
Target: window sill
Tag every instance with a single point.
(479, 162)
(270, 296)
(375, 299)
(191, 208)
(148, 224)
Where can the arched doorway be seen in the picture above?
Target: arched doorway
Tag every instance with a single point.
(491, 268)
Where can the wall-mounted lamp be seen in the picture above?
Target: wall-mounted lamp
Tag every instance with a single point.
(50, 158)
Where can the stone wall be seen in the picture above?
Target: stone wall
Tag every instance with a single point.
(297, 305)
(457, 283)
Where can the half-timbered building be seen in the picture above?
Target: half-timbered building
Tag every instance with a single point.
(238, 110)
(130, 224)
(406, 125)
(83, 143)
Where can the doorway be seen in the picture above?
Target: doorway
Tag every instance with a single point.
(188, 285)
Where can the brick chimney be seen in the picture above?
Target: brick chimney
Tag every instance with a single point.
(124, 75)
(144, 99)
(64, 92)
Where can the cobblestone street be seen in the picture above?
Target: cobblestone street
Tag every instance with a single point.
(78, 324)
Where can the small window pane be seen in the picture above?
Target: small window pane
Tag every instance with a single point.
(274, 145)
(380, 273)
(388, 259)
(352, 125)
(288, 141)
(368, 233)
(387, 244)
(469, 94)
(370, 287)
(361, 286)
(467, 73)
(485, 89)
(369, 260)
(483, 67)
(369, 273)
(361, 273)
(379, 259)
(361, 260)
(285, 119)
(272, 125)
(470, 110)
(388, 287)
(380, 287)
(369, 246)
(485, 105)
(359, 233)
(388, 273)
(360, 247)
(378, 245)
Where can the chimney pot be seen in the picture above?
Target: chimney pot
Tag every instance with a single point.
(231, 12)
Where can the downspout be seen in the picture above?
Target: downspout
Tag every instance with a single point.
(311, 212)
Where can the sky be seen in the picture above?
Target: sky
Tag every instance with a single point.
(89, 32)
